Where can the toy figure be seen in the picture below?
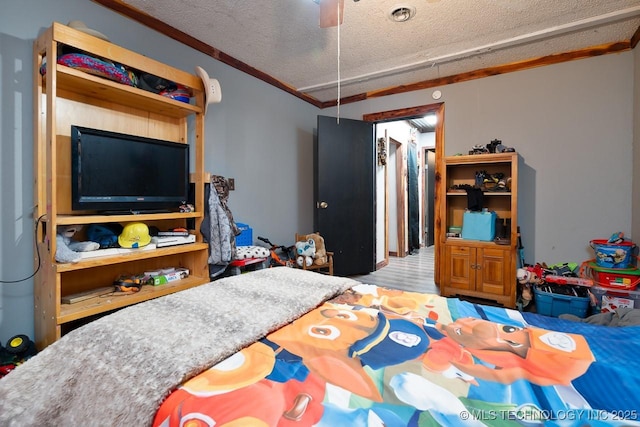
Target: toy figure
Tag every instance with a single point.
(67, 249)
(305, 251)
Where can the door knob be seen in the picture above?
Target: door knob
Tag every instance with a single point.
(322, 205)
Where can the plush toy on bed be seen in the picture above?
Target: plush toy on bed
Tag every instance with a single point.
(67, 249)
(305, 251)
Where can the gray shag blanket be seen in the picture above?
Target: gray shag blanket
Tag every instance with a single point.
(118, 369)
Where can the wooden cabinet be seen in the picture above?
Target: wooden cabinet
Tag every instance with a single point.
(477, 271)
(65, 96)
(475, 268)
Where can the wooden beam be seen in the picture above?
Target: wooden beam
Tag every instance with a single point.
(163, 28)
(184, 38)
(635, 38)
(492, 71)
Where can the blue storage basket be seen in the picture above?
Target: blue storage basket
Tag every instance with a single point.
(479, 225)
(245, 238)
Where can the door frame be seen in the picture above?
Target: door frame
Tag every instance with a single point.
(401, 206)
(426, 182)
(418, 111)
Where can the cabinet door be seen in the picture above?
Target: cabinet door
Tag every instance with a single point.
(460, 267)
(493, 271)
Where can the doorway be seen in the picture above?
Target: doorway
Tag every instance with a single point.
(395, 200)
(437, 155)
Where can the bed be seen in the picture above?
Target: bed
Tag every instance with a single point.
(289, 347)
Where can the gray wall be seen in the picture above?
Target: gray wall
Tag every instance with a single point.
(572, 123)
(258, 135)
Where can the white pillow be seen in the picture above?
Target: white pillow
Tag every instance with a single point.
(245, 252)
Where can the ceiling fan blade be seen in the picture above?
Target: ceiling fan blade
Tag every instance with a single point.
(329, 13)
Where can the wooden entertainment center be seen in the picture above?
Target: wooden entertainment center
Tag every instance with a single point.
(474, 268)
(65, 96)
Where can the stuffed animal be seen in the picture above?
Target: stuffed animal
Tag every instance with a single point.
(527, 277)
(67, 249)
(305, 251)
(320, 257)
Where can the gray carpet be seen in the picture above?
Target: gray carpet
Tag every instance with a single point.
(414, 273)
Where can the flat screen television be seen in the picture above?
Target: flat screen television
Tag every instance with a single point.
(117, 172)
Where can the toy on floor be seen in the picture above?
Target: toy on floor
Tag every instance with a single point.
(19, 349)
(67, 249)
(527, 277)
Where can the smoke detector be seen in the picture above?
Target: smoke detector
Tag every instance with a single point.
(402, 13)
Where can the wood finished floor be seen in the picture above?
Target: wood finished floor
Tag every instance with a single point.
(414, 273)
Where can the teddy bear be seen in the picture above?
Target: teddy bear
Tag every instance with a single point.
(305, 251)
(67, 249)
(320, 257)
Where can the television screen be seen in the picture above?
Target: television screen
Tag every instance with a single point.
(116, 172)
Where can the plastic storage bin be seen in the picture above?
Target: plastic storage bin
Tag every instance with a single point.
(617, 278)
(245, 238)
(613, 255)
(555, 304)
(609, 299)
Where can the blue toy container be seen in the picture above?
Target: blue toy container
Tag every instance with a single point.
(552, 304)
(245, 238)
(612, 255)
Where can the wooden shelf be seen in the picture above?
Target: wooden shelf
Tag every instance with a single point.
(66, 96)
(486, 193)
(105, 303)
(137, 256)
(473, 159)
(478, 243)
(96, 219)
(90, 86)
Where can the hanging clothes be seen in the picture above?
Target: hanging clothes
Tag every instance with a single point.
(218, 227)
(413, 199)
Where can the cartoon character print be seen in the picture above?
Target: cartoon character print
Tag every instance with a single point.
(211, 398)
(336, 342)
(537, 355)
(366, 338)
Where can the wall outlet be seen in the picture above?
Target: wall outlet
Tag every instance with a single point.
(232, 184)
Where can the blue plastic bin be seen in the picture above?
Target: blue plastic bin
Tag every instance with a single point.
(550, 304)
(245, 238)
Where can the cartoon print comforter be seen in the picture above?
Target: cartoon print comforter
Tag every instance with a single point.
(379, 357)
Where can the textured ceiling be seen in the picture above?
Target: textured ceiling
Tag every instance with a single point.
(282, 38)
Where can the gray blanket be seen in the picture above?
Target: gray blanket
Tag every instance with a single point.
(118, 369)
(620, 317)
